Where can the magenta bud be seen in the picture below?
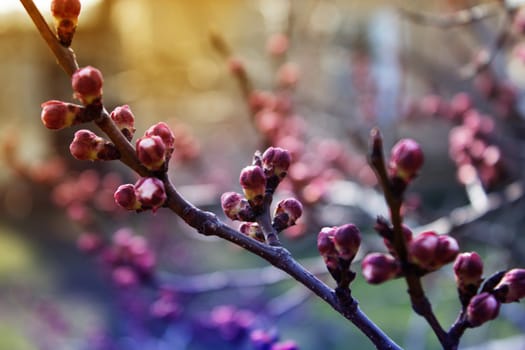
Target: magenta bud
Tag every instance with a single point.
(162, 130)
(513, 285)
(151, 152)
(276, 161)
(253, 183)
(468, 269)
(286, 213)
(65, 14)
(236, 207)
(406, 159)
(326, 247)
(253, 230)
(431, 251)
(124, 276)
(482, 308)
(86, 145)
(87, 84)
(125, 197)
(124, 120)
(347, 239)
(58, 115)
(378, 268)
(150, 193)
(89, 242)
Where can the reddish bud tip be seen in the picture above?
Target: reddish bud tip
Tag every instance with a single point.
(125, 120)
(468, 269)
(151, 152)
(253, 183)
(286, 213)
(431, 251)
(482, 308)
(236, 207)
(87, 84)
(162, 130)
(513, 285)
(378, 268)
(125, 197)
(406, 159)
(150, 193)
(58, 115)
(347, 239)
(276, 161)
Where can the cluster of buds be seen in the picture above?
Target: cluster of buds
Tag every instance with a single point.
(86, 145)
(259, 181)
(338, 246)
(130, 258)
(146, 193)
(65, 14)
(155, 148)
(472, 144)
(430, 251)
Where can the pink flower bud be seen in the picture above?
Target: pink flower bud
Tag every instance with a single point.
(89, 242)
(468, 269)
(253, 230)
(514, 283)
(125, 197)
(482, 308)
(277, 44)
(276, 161)
(58, 115)
(125, 277)
(65, 14)
(236, 207)
(150, 193)
(347, 239)
(253, 183)
(87, 84)
(125, 120)
(151, 152)
(378, 268)
(286, 213)
(406, 159)
(162, 130)
(326, 247)
(86, 145)
(431, 251)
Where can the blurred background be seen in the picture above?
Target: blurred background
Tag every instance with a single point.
(78, 273)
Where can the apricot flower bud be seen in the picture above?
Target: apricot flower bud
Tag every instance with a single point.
(236, 207)
(150, 193)
(326, 247)
(125, 120)
(468, 269)
(151, 152)
(125, 197)
(378, 268)
(162, 130)
(86, 145)
(275, 162)
(482, 308)
(431, 251)
(58, 115)
(87, 84)
(253, 183)
(347, 239)
(406, 159)
(513, 285)
(286, 213)
(65, 13)
(253, 230)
